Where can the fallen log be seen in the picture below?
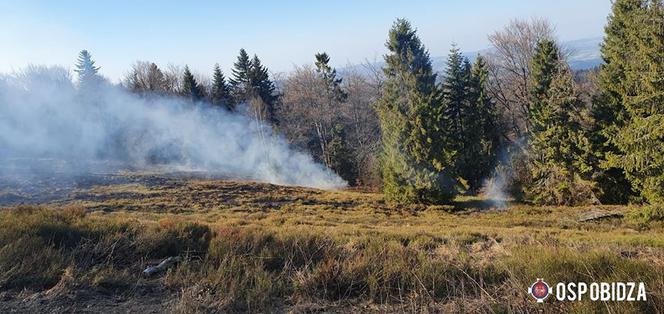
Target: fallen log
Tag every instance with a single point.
(164, 265)
(599, 215)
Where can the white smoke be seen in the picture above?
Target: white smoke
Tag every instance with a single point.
(44, 117)
(506, 174)
(494, 190)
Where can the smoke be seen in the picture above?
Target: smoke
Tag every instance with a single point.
(494, 190)
(507, 175)
(46, 123)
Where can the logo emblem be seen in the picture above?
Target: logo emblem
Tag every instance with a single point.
(540, 290)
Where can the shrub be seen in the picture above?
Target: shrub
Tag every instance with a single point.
(648, 213)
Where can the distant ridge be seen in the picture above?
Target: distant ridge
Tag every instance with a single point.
(584, 54)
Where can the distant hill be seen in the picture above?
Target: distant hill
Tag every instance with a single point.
(584, 54)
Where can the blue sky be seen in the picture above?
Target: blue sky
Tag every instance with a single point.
(282, 33)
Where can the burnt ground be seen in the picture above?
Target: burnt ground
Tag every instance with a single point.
(53, 187)
(85, 301)
(174, 192)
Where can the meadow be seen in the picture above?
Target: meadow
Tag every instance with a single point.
(253, 247)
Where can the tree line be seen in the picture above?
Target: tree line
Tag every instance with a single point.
(554, 135)
(566, 148)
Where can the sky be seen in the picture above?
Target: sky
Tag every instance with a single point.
(282, 33)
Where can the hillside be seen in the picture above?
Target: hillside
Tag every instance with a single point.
(256, 247)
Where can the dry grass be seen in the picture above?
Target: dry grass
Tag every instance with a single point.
(263, 248)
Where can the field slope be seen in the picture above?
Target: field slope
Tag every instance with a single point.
(245, 246)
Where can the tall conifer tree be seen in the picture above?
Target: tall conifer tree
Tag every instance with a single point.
(239, 82)
(470, 119)
(87, 71)
(608, 110)
(220, 95)
(558, 147)
(416, 161)
(641, 139)
(482, 139)
(261, 90)
(190, 87)
(329, 77)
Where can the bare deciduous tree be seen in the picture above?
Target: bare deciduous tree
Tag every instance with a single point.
(363, 124)
(308, 115)
(145, 77)
(509, 66)
(173, 77)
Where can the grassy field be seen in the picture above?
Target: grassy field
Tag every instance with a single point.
(264, 248)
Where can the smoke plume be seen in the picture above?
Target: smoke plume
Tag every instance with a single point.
(46, 122)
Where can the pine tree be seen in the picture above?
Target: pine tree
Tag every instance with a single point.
(260, 82)
(470, 119)
(544, 68)
(329, 138)
(482, 142)
(608, 110)
(329, 77)
(190, 87)
(454, 87)
(415, 161)
(558, 147)
(262, 90)
(460, 117)
(87, 71)
(641, 139)
(220, 95)
(239, 82)
(340, 155)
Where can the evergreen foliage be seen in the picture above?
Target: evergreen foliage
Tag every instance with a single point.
(559, 149)
(239, 81)
(416, 160)
(331, 135)
(220, 95)
(471, 119)
(87, 71)
(329, 77)
(251, 84)
(608, 110)
(340, 157)
(261, 85)
(190, 87)
(641, 90)
(483, 138)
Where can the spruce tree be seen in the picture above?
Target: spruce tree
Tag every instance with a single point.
(454, 88)
(87, 71)
(461, 118)
(544, 68)
(262, 89)
(259, 79)
(641, 139)
(470, 119)
(416, 160)
(340, 156)
(220, 95)
(559, 149)
(329, 77)
(608, 110)
(239, 82)
(330, 135)
(190, 88)
(482, 142)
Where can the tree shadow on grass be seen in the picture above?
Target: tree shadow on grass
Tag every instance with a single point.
(476, 203)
